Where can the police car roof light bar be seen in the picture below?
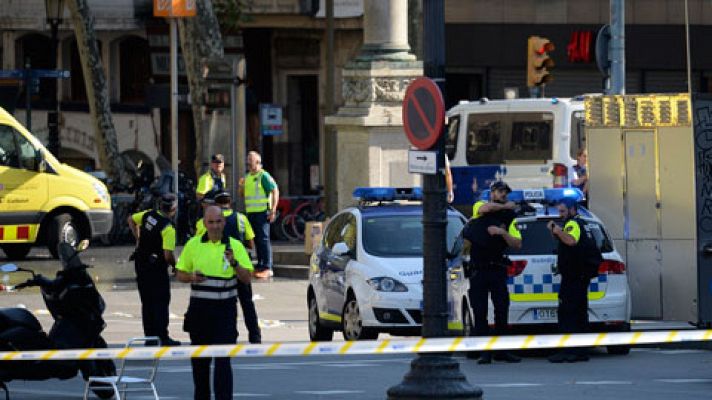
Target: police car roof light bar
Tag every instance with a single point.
(366, 194)
(550, 196)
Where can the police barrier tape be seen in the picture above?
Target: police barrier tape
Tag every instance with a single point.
(387, 346)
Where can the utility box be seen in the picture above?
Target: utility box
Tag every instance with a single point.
(642, 184)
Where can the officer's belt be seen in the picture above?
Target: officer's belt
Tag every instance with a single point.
(214, 289)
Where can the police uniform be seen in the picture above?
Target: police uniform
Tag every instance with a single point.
(575, 279)
(237, 226)
(258, 186)
(212, 312)
(489, 269)
(157, 234)
(211, 183)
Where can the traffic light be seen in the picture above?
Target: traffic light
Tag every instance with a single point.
(539, 63)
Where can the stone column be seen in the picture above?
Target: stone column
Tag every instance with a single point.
(372, 149)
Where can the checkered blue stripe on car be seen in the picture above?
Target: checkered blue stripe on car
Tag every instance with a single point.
(547, 283)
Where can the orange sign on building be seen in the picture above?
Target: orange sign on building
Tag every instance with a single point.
(174, 8)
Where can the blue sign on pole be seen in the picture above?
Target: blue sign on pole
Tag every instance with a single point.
(270, 119)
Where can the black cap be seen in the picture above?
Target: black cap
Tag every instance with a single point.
(222, 198)
(500, 185)
(217, 158)
(168, 201)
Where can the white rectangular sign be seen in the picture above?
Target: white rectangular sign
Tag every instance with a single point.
(422, 162)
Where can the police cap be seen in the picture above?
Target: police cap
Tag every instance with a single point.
(222, 198)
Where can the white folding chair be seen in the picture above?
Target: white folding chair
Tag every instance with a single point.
(121, 382)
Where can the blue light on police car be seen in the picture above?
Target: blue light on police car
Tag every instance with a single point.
(387, 194)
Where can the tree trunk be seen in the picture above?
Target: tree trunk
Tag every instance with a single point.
(97, 91)
(199, 38)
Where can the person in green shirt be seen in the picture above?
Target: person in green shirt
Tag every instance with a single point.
(213, 263)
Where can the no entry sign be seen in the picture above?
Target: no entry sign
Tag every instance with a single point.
(423, 113)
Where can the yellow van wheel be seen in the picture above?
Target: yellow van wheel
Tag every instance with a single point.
(16, 251)
(64, 228)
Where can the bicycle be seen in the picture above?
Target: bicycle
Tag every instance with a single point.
(310, 208)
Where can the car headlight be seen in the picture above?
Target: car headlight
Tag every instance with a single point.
(101, 191)
(386, 284)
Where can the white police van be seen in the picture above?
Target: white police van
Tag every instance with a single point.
(366, 274)
(525, 142)
(533, 284)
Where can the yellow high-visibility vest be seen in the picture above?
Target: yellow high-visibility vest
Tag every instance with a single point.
(256, 199)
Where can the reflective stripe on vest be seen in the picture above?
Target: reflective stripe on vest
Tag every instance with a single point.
(214, 289)
(256, 200)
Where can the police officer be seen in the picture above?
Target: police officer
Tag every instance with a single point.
(261, 198)
(156, 241)
(213, 181)
(212, 263)
(487, 235)
(577, 247)
(237, 226)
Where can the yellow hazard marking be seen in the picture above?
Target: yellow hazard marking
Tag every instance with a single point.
(48, 355)
(491, 342)
(383, 346)
(273, 348)
(418, 345)
(86, 354)
(309, 348)
(708, 334)
(11, 355)
(528, 341)
(454, 344)
(199, 350)
(236, 350)
(346, 347)
(635, 337)
(599, 339)
(124, 352)
(671, 336)
(162, 351)
(563, 340)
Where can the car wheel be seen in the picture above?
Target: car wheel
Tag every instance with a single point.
(620, 350)
(16, 251)
(317, 333)
(352, 323)
(63, 229)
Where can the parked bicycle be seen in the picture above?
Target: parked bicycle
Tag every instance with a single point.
(293, 224)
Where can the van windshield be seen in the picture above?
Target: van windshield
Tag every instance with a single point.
(495, 138)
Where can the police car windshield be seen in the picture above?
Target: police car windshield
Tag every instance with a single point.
(536, 239)
(401, 235)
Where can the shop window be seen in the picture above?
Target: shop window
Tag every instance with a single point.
(35, 49)
(78, 92)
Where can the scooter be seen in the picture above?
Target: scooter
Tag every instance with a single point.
(76, 306)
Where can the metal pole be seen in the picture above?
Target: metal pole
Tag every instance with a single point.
(617, 46)
(53, 143)
(330, 145)
(28, 94)
(435, 376)
(241, 125)
(174, 101)
(234, 178)
(687, 47)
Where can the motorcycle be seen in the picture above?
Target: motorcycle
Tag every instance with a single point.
(76, 306)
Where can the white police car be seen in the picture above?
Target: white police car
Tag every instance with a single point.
(366, 274)
(533, 285)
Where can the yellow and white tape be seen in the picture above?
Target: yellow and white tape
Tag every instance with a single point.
(387, 346)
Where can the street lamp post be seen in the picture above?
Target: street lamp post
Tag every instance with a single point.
(55, 11)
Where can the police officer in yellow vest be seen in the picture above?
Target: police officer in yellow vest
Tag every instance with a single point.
(237, 226)
(261, 197)
(213, 181)
(212, 263)
(156, 241)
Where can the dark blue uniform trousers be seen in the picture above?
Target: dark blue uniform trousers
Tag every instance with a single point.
(260, 224)
(155, 292)
(212, 322)
(244, 294)
(486, 280)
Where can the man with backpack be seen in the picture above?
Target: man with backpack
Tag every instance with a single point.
(578, 261)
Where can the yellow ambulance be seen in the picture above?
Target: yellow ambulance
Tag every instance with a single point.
(43, 201)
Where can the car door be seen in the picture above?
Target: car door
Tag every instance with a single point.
(337, 263)
(23, 188)
(332, 235)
